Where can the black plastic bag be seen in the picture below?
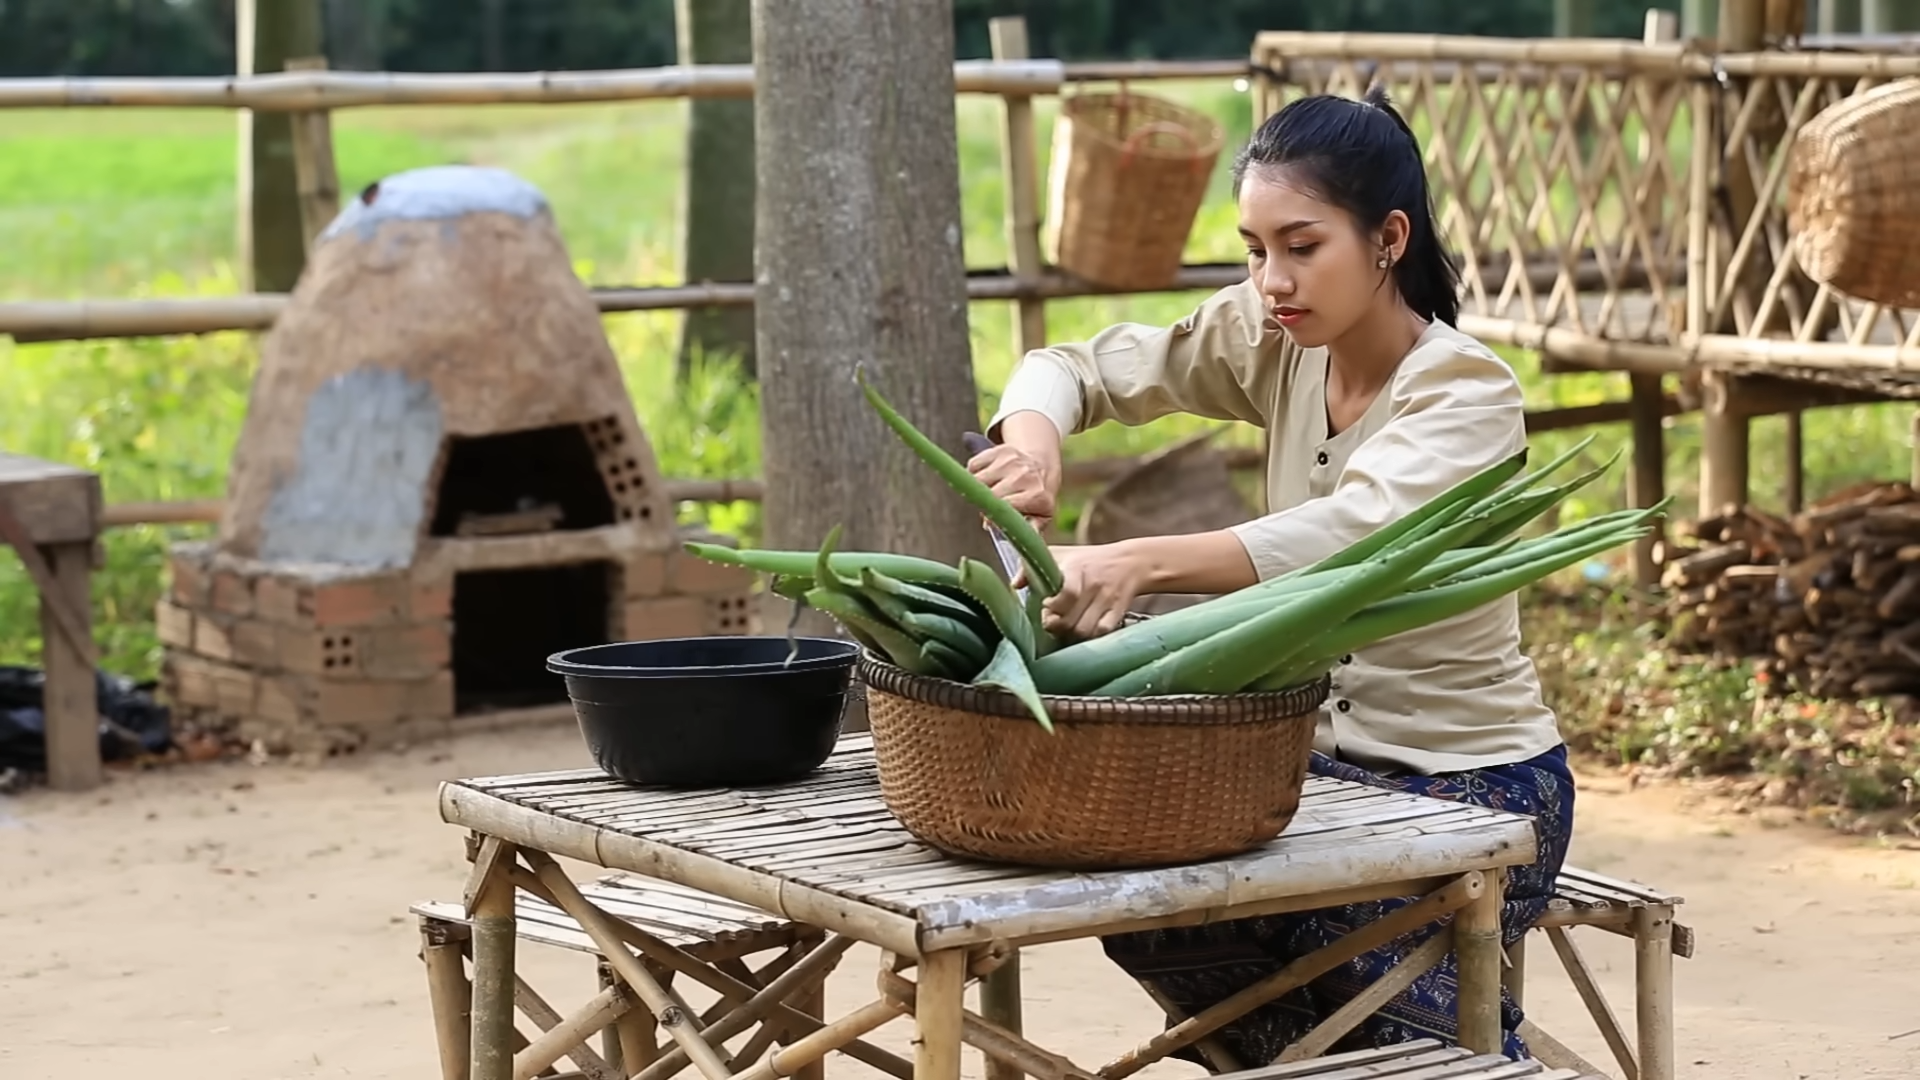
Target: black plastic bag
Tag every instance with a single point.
(131, 722)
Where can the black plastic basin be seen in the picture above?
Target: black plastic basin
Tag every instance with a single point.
(709, 711)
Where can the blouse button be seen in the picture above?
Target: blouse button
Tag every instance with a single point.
(1343, 705)
(1322, 458)
(1347, 659)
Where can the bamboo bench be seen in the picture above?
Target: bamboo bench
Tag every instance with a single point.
(1632, 910)
(710, 929)
(1422, 1060)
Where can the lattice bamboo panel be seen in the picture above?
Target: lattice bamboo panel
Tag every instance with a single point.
(1564, 183)
(1758, 289)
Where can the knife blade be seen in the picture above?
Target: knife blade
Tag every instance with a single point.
(1009, 555)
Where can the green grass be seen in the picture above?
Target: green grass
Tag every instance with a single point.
(109, 203)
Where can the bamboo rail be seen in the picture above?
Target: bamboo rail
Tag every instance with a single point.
(1081, 473)
(300, 91)
(81, 320)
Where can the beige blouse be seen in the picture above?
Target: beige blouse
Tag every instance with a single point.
(1458, 694)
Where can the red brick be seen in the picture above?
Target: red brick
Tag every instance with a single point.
(280, 700)
(360, 602)
(210, 640)
(231, 593)
(736, 614)
(173, 624)
(431, 600)
(190, 682)
(403, 652)
(191, 582)
(360, 703)
(667, 617)
(645, 575)
(283, 600)
(334, 654)
(255, 643)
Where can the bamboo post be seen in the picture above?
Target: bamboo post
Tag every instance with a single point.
(1653, 991)
(449, 995)
(939, 1010)
(491, 1055)
(315, 175)
(1648, 482)
(1020, 179)
(1000, 1005)
(267, 33)
(1476, 941)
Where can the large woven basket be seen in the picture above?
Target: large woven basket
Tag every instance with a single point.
(1120, 783)
(1853, 195)
(1128, 174)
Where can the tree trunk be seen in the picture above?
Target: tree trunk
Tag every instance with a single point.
(717, 236)
(859, 262)
(272, 244)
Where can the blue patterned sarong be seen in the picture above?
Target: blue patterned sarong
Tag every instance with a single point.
(1197, 966)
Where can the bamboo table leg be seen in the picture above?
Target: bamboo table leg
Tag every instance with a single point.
(1476, 942)
(939, 1004)
(493, 943)
(1653, 979)
(1000, 1004)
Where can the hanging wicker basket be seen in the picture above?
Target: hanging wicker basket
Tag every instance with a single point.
(1128, 174)
(1120, 783)
(1853, 195)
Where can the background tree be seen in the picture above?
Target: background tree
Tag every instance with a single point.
(859, 261)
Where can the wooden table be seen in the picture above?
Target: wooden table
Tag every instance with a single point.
(50, 515)
(825, 852)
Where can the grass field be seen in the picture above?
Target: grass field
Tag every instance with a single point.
(120, 203)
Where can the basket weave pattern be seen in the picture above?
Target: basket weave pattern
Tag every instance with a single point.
(1121, 782)
(1853, 203)
(1128, 175)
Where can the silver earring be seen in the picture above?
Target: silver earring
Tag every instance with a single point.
(1382, 263)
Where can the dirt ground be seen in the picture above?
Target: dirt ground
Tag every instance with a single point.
(234, 922)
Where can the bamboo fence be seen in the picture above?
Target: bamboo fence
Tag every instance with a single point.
(1616, 205)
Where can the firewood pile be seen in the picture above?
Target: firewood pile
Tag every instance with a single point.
(1830, 597)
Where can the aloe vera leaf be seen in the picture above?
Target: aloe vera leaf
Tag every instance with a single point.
(1411, 611)
(950, 633)
(946, 662)
(1235, 657)
(921, 598)
(908, 568)
(1008, 671)
(848, 611)
(993, 593)
(1416, 522)
(1083, 665)
(1042, 571)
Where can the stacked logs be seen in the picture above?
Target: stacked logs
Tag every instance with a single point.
(1829, 598)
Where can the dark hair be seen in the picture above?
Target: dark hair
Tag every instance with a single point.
(1362, 157)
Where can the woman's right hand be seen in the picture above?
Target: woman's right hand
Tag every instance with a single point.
(1026, 479)
(1017, 477)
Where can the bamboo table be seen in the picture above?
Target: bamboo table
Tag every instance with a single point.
(825, 852)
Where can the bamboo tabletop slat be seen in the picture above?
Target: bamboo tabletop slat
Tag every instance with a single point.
(825, 850)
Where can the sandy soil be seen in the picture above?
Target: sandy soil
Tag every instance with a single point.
(232, 922)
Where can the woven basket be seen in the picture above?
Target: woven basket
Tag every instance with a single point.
(1120, 783)
(1853, 195)
(1127, 178)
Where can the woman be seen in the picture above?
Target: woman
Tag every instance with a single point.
(1340, 343)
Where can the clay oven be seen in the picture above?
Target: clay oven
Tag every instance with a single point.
(440, 481)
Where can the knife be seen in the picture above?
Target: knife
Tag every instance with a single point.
(1009, 556)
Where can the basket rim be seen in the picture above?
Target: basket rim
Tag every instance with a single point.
(1190, 710)
(1209, 134)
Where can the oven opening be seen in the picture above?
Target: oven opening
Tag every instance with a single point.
(517, 482)
(507, 622)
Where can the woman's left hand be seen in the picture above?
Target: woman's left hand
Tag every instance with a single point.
(1099, 583)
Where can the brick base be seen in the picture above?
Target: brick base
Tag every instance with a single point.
(325, 659)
